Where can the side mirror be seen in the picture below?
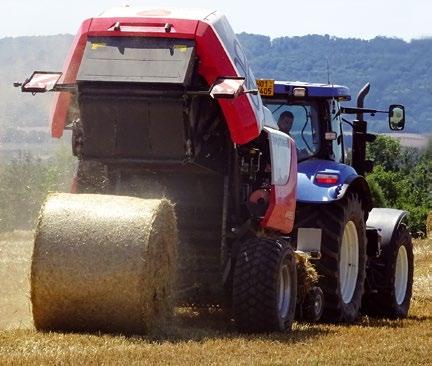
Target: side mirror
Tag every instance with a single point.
(40, 82)
(227, 88)
(396, 117)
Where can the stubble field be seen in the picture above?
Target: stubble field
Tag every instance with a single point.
(210, 338)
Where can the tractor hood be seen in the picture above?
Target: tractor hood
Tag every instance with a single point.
(321, 181)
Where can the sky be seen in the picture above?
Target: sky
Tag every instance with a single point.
(365, 19)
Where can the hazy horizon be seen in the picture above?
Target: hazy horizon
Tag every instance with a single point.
(339, 18)
(258, 34)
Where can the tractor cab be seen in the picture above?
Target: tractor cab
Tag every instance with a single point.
(310, 114)
(314, 114)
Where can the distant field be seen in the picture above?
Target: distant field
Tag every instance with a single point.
(210, 338)
(410, 139)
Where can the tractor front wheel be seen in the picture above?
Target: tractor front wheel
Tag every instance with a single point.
(265, 286)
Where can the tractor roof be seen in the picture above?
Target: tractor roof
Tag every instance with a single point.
(165, 12)
(312, 89)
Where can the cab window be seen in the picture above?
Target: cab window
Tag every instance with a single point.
(304, 125)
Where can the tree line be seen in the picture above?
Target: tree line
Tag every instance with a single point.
(399, 72)
(402, 178)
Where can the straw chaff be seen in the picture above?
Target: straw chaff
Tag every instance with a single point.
(103, 263)
(307, 277)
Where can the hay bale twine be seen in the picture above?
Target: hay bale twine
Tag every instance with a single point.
(429, 225)
(103, 263)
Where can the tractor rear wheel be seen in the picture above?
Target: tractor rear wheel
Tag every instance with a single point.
(265, 286)
(392, 275)
(342, 267)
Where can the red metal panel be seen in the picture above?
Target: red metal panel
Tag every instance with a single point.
(281, 212)
(214, 62)
(62, 100)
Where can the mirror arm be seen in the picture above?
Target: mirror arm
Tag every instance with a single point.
(207, 92)
(197, 92)
(251, 91)
(72, 88)
(355, 110)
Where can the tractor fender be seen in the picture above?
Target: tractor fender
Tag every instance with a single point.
(309, 190)
(358, 183)
(387, 221)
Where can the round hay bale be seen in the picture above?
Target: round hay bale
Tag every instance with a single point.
(103, 263)
(429, 225)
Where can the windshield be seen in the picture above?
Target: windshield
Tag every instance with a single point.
(300, 121)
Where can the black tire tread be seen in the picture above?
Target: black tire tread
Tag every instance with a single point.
(255, 285)
(308, 306)
(331, 219)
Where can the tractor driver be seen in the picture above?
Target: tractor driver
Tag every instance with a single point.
(285, 122)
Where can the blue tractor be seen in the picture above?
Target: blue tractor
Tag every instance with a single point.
(365, 257)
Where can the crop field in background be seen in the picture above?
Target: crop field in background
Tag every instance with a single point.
(209, 337)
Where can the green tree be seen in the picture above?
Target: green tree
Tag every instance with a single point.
(378, 197)
(385, 152)
(388, 182)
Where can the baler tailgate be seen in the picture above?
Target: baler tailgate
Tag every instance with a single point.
(137, 59)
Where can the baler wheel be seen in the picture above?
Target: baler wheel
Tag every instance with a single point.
(265, 286)
(313, 305)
